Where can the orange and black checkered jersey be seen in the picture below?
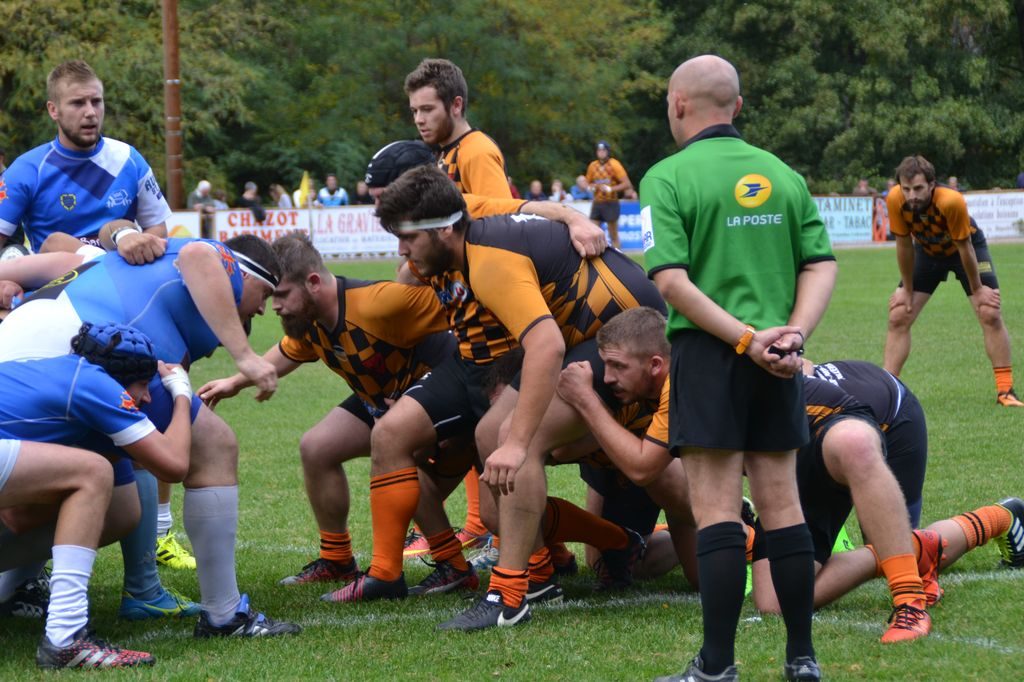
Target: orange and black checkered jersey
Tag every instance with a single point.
(609, 173)
(523, 269)
(476, 166)
(388, 335)
(936, 228)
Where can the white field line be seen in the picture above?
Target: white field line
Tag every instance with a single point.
(331, 615)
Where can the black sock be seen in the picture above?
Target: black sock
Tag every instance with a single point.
(791, 557)
(721, 561)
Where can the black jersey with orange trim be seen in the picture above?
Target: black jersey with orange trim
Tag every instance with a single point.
(476, 165)
(943, 222)
(868, 384)
(388, 336)
(826, 401)
(523, 269)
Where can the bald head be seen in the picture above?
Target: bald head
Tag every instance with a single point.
(702, 92)
(708, 80)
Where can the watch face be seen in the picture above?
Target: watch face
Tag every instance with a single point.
(12, 251)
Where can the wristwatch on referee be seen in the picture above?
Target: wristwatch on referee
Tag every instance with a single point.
(744, 342)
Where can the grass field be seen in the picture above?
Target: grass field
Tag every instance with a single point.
(976, 458)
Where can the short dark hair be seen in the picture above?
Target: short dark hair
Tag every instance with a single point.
(74, 71)
(419, 193)
(640, 331)
(914, 165)
(297, 257)
(257, 250)
(444, 76)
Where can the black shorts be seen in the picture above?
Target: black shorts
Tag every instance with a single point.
(453, 396)
(586, 350)
(721, 400)
(826, 503)
(605, 211)
(625, 503)
(930, 271)
(357, 408)
(906, 444)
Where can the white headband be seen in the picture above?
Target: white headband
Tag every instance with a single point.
(256, 270)
(429, 223)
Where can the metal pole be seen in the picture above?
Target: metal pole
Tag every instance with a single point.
(172, 106)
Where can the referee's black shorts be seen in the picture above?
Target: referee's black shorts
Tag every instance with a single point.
(721, 400)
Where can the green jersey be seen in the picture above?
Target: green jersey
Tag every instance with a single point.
(739, 220)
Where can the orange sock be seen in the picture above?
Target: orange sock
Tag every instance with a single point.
(511, 584)
(446, 547)
(565, 522)
(904, 580)
(751, 535)
(393, 500)
(540, 568)
(981, 525)
(336, 546)
(473, 524)
(1004, 378)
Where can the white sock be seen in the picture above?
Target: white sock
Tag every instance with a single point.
(69, 592)
(163, 519)
(211, 522)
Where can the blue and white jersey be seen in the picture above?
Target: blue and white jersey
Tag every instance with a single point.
(339, 198)
(152, 298)
(67, 400)
(55, 189)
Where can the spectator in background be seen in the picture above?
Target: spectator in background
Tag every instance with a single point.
(310, 201)
(332, 194)
(536, 192)
(3, 161)
(863, 189)
(280, 197)
(953, 183)
(889, 184)
(1020, 180)
(558, 192)
(607, 177)
(362, 196)
(515, 191)
(200, 199)
(251, 199)
(581, 190)
(220, 199)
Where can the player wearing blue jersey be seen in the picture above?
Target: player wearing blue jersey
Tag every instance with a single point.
(80, 182)
(195, 296)
(88, 397)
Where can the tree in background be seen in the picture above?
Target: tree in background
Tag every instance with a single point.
(839, 90)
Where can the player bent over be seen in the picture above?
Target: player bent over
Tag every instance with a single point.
(90, 397)
(379, 337)
(197, 295)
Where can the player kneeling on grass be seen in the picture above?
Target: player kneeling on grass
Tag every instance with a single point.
(90, 397)
(843, 467)
(633, 437)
